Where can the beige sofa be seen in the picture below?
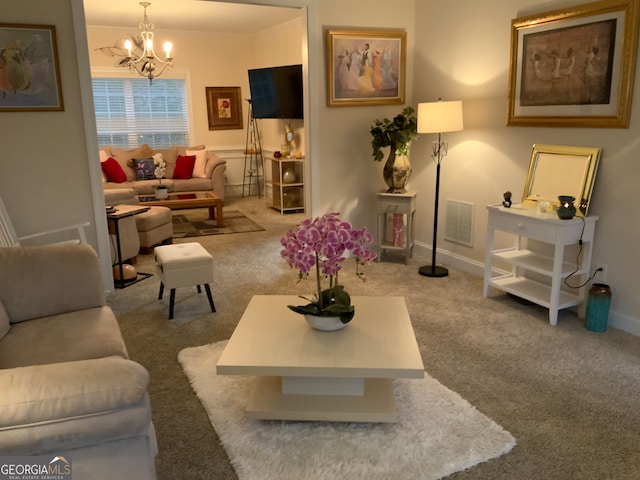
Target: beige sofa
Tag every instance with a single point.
(68, 386)
(208, 174)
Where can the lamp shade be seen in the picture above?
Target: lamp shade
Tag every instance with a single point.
(439, 117)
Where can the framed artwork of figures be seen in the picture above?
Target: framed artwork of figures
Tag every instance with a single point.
(366, 67)
(574, 67)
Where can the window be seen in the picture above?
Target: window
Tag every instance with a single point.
(133, 111)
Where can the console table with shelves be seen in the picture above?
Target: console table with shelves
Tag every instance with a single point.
(285, 184)
(528, 223)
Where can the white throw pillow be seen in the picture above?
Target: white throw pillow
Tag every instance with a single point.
(201, 163)
(5, 325)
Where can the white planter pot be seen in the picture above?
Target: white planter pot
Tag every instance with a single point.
(326, 324)
(162, 193)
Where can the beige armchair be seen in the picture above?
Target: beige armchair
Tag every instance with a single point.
(68, 386)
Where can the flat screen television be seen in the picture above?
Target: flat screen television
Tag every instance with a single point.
(276, 92)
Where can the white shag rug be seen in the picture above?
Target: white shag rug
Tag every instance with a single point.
(438, 432)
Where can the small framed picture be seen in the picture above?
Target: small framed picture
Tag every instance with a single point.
(366, 67)
(574, 67)
(29, 71)
(224, 109)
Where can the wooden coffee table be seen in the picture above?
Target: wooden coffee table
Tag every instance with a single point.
(189, 200)
(306, 374)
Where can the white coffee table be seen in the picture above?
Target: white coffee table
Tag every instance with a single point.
(306, 374)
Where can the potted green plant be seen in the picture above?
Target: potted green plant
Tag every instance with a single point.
(397, 133)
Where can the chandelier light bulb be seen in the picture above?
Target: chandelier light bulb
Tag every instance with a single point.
(167, 49)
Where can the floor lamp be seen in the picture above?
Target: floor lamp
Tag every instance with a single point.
(438, 117)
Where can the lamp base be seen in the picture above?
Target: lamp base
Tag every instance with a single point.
(433, 271)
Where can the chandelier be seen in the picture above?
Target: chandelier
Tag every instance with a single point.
(148, 64)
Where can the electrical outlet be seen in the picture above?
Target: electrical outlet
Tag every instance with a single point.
(602, 274)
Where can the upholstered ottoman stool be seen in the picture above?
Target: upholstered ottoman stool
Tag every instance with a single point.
(183, 265)
(155, 226)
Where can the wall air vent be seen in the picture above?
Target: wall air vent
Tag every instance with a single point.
(460, 217)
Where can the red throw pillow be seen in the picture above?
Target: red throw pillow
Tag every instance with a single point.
(184, 166)
(113, 171)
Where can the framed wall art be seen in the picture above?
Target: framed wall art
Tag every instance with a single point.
(366, 67)
(574, 67)
(29, 72)
(224, 109)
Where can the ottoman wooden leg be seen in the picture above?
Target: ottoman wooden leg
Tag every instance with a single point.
(172, 302)
(161, 291)
(210, 297)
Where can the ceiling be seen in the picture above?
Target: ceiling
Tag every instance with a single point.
(201, 15)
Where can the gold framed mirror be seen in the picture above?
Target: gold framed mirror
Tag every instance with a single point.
(561, 170)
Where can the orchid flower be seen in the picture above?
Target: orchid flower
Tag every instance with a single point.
(325, 243)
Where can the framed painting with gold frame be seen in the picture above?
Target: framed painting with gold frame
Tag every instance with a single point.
(29, 71)
(224, 110)
(574, 67)
(366, 67)
(557, 170)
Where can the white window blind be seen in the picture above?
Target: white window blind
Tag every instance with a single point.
(132, 111)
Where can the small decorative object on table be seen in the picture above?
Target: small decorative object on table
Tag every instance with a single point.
(289, 176)
(566, 210)
(507, 199)
(397, 134)
(162, 191)
(323, 242)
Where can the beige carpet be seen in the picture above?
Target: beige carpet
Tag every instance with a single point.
(437, 432)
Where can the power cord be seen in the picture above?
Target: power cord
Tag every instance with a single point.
(599, 269)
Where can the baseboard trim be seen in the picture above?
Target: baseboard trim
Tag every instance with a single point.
(618, 321)
(625, 323)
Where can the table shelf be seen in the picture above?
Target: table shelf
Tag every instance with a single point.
(535, 262)
(533, 291)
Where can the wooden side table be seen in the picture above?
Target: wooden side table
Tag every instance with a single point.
(396, 212)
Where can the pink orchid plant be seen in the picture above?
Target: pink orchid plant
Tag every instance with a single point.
(325, 243)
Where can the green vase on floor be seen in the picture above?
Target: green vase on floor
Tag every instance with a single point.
(598, 303)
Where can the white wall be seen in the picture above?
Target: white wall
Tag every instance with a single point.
(44, 173)
(281, 45)
(345, 177)
(198, 54)
(465, 55)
